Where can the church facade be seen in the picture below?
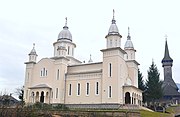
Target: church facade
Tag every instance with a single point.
(63, 79)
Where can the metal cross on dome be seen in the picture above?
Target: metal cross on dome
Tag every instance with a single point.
(113, 13)
(66, 21)
(166, 37)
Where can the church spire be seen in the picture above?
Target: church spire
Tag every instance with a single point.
(90, 60)
(113, 20)
(128, 44)
(65, 27)
(167, 58)
(66, 21)
(32, 54)
(128, 37)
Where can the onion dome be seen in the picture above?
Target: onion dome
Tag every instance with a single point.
(33, 51)
(65, 33)
(128, 44)
(113, 29)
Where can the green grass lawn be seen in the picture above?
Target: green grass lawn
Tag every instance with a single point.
(145, 113)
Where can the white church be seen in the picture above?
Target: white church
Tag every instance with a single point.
(63, 79)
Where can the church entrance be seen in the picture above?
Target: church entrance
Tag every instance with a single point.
(42, 97)
(127, 98)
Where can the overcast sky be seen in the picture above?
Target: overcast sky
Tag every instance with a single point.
(23, 23)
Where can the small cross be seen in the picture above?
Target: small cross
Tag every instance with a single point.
(166, 37)
(66, 21)
(33, 45)
(113, 13)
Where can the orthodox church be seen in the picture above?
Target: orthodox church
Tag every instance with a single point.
(63, 79)
(170, 89)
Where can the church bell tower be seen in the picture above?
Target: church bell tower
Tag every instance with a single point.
(170, 88)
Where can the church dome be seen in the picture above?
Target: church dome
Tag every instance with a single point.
(65, 33)
(113, 29)
(33, 51)
(128, 44)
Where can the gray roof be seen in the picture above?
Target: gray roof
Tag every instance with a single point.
(65, 33)
(33, 51)
(168, 90)
(113, 29)
(167, 57)
(128, 44)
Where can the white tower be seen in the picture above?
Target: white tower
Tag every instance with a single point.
(113, 38)
(33, 55)
(64, 43)
(129, 48)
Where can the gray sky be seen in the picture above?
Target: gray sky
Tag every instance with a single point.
(23, 23)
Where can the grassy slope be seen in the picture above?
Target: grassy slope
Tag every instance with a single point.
(153, 114)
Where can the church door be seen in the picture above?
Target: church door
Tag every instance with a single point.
(127, 98)
(42, 97)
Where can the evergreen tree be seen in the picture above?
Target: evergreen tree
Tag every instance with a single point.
(153, 84)
(141, 85)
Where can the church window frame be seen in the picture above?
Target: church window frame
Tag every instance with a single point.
(57, 93)
(110, 70)
(109, 91)
(70, 89)
(78, 89)
(43, 72)
(87, 89)
(110, 42)
(72, 51)
(97, 88)
(116, 43)
(68, 50)
(58, 74)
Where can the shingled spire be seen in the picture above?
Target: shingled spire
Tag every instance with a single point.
(167, 60)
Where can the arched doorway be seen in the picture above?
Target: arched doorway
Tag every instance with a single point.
(127, 98)
(42, 97)
(32, 94)
(37, 96)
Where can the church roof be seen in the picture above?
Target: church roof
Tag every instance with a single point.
(33, 51)
(40, 86)
(65, 33)
(113, 29)
(169, 90)
(128, 44)
(170, 82)
(167, 57)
